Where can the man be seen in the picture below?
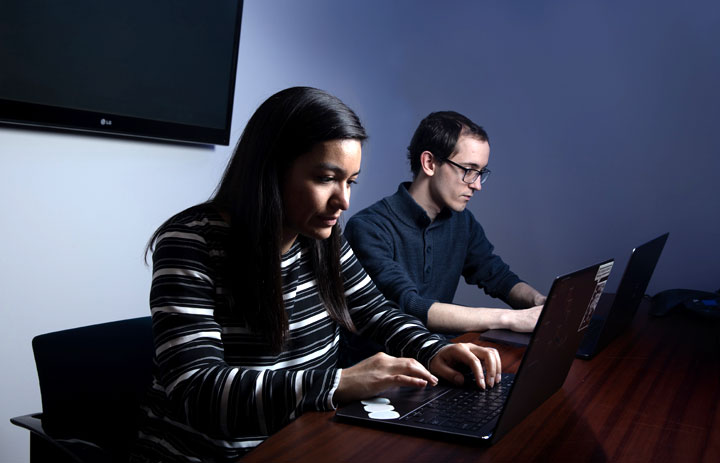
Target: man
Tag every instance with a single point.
(417, 243)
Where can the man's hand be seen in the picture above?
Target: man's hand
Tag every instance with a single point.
(523, 321)
(523, 296)
(379, 372)
(446, 361)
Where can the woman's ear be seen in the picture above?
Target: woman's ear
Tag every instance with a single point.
(428, 164)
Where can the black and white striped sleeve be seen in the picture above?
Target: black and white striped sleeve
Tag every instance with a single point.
(380, 319)
(201, 388)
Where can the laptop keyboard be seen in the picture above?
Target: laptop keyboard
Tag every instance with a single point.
(463, 409)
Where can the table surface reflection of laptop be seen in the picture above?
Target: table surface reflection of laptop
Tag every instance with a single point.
(479, 415)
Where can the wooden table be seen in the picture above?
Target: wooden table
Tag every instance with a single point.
(652, 395)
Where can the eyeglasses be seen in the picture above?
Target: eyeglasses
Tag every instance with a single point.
(471, 175)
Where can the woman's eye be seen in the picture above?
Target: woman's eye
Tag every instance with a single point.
(325, 179)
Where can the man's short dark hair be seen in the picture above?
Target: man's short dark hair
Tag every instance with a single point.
(439, 133)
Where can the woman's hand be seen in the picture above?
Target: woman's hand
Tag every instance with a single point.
(379, 372)
(445, 362)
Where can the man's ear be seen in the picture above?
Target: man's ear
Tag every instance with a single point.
(428, 163)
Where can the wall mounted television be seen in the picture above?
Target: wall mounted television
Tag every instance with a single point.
(162, 69)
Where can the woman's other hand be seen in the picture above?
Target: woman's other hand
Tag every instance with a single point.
(445, 364)
(379, 372)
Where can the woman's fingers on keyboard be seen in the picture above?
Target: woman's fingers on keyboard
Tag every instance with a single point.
(451, 359)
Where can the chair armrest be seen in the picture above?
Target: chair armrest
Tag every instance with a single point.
(32, 423)
(63, 449)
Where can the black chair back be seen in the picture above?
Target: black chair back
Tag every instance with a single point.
(92, 380)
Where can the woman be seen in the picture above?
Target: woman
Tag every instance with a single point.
(250, 288)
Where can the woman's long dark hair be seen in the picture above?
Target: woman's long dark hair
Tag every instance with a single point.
(285, 126)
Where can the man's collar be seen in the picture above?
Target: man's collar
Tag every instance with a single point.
(409, 211)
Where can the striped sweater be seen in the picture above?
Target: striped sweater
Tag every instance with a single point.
(218, 390)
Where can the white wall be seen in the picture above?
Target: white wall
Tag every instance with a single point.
(77, 211)
(602, 116)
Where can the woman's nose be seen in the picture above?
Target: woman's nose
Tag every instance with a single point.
(342, 198)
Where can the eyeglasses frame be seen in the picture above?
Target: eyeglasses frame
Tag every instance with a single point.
(483, 174)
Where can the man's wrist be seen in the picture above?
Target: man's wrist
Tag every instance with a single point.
(504, 319)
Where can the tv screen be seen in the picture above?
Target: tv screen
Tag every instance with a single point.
(148, 68)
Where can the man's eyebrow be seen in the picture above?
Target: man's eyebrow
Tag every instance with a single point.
(335, 168)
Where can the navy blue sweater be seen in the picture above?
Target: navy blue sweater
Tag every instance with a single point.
(416, 262)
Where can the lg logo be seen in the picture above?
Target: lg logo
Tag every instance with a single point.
(104, 121)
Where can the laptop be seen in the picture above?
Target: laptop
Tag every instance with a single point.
(615, 312)
(485, 416)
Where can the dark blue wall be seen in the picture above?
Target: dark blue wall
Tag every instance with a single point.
(603, 115)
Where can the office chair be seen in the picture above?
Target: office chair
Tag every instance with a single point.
(92, 380)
